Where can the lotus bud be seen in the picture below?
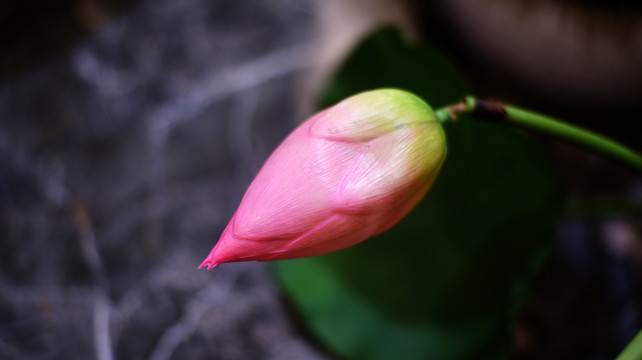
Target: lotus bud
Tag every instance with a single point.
(346, 174)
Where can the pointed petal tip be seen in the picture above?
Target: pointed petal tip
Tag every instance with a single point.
(207, 264)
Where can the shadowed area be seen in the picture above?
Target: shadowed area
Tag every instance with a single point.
(128, 132)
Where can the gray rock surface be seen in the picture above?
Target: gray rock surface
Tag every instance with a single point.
(122, 158)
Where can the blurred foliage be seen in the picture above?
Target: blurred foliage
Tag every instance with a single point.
(445, 281)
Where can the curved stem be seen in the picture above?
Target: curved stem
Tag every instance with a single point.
(498, 112)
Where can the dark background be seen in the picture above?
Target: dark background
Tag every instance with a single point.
(128, 133)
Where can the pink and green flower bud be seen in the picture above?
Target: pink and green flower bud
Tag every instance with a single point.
(344, 175)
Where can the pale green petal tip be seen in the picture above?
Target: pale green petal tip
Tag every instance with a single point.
(396, 105)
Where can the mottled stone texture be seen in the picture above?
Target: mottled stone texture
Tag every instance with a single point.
(122, 157)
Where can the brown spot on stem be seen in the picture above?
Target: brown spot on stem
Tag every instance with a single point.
(490, 110)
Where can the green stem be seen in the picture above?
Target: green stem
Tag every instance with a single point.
(512, 115)
(497, 112)
(633, 351)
